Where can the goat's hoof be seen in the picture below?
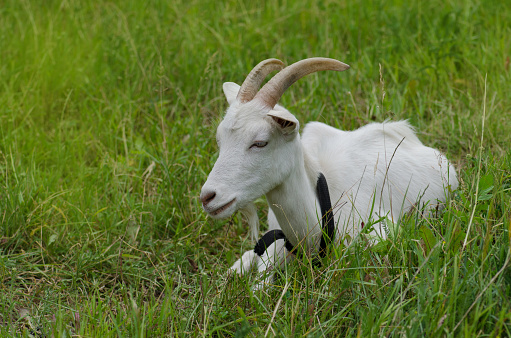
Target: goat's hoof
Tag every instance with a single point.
(258, 287)
(236, 268)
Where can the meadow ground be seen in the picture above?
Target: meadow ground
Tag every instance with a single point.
(108, 113)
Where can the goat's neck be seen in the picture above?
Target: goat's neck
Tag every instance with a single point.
(295, 204)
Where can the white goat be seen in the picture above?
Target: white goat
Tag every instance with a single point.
(379, 170)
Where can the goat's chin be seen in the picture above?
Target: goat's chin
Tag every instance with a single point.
(222, 215)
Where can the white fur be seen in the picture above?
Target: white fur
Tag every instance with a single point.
(381, 169)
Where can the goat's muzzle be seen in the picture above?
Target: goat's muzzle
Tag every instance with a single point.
(212, 205)
(207, 197)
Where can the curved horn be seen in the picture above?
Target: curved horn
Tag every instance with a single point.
(272, 91)
(256, 77)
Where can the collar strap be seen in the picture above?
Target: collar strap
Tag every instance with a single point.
(327, 219)
(268, 239)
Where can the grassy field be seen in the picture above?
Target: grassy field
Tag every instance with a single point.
(107, 118)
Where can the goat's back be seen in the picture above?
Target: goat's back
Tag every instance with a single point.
(381, 167)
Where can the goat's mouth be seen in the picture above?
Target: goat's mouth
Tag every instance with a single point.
(222, 208)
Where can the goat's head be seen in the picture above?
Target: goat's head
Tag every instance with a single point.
(258, 139)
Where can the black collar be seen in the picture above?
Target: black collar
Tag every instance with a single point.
(328, 226)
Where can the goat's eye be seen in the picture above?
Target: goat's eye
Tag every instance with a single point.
(259, 144)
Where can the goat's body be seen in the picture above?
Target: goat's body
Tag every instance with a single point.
(392, 174)
(379, 170)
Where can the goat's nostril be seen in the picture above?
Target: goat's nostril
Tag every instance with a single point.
(208, 197)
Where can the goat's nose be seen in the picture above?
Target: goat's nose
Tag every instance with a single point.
(207, 196)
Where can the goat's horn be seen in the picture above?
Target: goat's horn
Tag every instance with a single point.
(256, 77)
(272, 91)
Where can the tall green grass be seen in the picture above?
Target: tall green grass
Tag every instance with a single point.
(107, 118)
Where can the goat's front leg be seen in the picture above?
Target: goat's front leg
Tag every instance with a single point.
(247, 261)
(273, 258)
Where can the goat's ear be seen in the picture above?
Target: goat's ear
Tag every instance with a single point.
(231, 90)
(286, 121)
